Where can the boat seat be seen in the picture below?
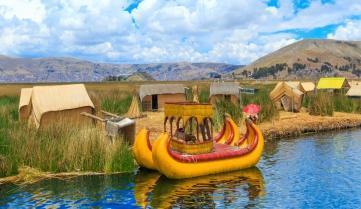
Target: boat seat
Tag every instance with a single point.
(221, 151)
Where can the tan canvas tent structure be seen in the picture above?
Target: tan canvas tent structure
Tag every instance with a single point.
(59, 103)
(224, 90)
(25, 104)
(287, 96)
(154, 96)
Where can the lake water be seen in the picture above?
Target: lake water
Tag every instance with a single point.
(321, 171)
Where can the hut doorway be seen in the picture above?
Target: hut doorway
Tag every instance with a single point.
(154, 102)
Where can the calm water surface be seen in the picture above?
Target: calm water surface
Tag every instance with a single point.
(322, 171)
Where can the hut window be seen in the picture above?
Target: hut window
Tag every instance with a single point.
(227, 97)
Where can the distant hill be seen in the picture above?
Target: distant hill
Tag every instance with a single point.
(307, 59)
(61, 69)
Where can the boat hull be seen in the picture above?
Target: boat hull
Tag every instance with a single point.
(176, 169)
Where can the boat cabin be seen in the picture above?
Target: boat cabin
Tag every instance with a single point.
(190, 126)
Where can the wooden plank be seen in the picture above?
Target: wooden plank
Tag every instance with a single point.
(110, 114)
(92, 116)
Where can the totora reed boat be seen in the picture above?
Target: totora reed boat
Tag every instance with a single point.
(189, 149)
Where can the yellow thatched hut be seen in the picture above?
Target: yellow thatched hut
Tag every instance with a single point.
(25, 104)
(224, 90)
(154, 96)
(286, 95)
(58, 103)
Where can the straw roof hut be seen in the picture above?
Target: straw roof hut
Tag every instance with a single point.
(25, 104)
(307, 87)
(224, 90)
(286, 95)
(154, 96)
(59, 103)
(355, 90)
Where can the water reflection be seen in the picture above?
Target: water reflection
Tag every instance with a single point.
(203, 192)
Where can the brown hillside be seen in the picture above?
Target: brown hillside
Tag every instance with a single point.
(308, 59)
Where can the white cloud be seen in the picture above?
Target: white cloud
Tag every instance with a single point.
(164, 31)
(350, 31)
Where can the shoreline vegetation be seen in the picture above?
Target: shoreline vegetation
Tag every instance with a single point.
(27, 155)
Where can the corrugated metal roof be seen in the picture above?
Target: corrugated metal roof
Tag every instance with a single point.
(332, 83)
(153, 89)
(224, 88)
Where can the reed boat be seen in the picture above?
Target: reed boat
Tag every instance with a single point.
(142, 148)
(189, 149)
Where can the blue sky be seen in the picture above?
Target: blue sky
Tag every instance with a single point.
(148, 31)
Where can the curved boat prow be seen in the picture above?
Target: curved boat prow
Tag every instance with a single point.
(142, 150)
(229, 133)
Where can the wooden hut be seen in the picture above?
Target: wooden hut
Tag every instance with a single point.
(224, 90)
(154, 96)
(286, 95)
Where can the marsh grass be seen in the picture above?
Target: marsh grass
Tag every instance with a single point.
(268, 109)
(221, 107)
(321, 104)
(325, 103)
(115, 101)
(57, 148)
(203, 95)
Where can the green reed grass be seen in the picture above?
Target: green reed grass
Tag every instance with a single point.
(268, 109)
(203, 95)
(58, 148)
(115, 101)
(321, 103)
(223, 106)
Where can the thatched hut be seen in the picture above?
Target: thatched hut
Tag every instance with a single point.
(154, 96)
(25, 104)
(307, 87)
(286, 95)
(355, 89)
(224, 90)
(59, 103)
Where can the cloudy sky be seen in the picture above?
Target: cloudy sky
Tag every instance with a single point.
(125, 31)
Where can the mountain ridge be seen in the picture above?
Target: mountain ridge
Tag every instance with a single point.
(309, 58)
(69, 69)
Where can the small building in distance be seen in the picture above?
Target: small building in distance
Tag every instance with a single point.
(287, 96)
(154, 96)
(355, 89)
(333, 84)
(307, 87)
(224, 90)
(140, 76)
